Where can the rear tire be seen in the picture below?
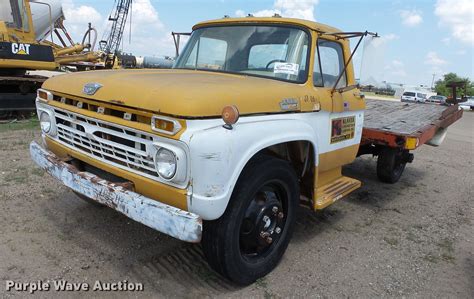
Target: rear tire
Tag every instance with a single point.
(390, 165)
(249, 240)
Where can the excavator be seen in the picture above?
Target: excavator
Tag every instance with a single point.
(33, 37)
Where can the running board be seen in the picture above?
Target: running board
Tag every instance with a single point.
(329, 193)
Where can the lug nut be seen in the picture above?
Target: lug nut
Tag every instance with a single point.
(278, 230)
(269, 240)
(265, 219)
(264, 235)
(281, 215)
(275, 210)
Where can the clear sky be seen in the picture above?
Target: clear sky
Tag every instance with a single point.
(421, 37)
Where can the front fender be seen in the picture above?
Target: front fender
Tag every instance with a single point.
(218, 156)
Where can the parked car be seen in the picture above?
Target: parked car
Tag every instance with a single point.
(469, 104)
(410, 96)
(437, 99)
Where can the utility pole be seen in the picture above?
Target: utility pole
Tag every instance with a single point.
(432, 81)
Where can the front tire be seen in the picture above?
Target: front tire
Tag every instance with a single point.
(249, 240)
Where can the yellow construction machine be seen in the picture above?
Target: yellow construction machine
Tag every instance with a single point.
(33, 37)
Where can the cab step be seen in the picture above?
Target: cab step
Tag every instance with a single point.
(329, 193)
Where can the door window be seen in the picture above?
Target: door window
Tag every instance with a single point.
(329, 64)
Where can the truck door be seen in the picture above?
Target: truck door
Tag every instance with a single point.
(339, 144)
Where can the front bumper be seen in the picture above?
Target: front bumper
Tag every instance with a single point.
(161, 217)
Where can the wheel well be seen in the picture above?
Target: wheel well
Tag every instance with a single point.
(301, 156)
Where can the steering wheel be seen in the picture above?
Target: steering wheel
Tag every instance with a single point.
(273, 61)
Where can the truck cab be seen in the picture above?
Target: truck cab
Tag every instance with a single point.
(257, 116)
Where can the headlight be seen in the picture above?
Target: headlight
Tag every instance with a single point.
(165, 163)
(45, 122)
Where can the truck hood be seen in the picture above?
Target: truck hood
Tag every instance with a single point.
(182, 93)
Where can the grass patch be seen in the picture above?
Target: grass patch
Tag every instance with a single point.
(261, 282)
(431, 258)
(18, 176)
(22, 144)
(368, 94)
(447, 245)
(37, 171)
(29, 124)
(391, 241)
(48, 191)
(268, 295)
(413, 237)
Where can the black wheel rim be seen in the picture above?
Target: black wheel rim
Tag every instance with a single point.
(264, 221)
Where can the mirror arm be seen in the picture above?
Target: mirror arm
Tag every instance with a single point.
(348, 61)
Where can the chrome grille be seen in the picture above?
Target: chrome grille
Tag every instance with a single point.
(123, 147)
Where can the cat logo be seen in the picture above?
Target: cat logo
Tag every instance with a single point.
(20, 49)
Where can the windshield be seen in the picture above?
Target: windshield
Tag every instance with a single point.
(275, 52)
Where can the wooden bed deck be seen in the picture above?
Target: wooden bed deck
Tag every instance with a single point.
(391, 123)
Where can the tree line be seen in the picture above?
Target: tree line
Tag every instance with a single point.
(442, 89)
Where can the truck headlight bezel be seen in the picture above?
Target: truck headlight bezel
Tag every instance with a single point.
(44, 111)
(45, 122)
(179, 158)
(166, 163)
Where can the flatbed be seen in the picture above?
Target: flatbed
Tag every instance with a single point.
(392, 129)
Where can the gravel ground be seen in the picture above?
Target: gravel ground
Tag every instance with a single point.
(412, 239)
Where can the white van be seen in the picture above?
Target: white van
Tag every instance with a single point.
(411, 96)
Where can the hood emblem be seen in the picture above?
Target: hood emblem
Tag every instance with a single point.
(91, 88)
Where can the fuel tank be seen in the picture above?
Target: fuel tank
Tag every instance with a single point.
(153, 62)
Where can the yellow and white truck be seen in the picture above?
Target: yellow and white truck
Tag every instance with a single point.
(257, 117)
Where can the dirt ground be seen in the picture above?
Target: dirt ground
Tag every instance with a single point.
(412, 239)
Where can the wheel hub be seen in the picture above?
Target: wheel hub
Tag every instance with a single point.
(269, 223)
(263, 224)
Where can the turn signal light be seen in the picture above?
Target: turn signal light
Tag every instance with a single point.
(44, 95)
(230, 115)
(165, 125)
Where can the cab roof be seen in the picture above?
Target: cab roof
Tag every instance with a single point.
(270, 20)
